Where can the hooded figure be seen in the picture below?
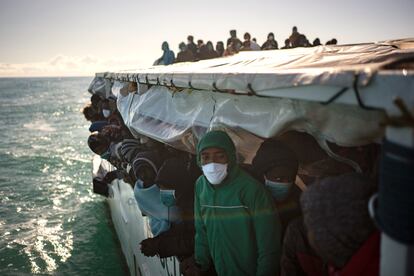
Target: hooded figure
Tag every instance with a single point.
(147, 194)
(339, 227)
(237, 229)
(270, 43)
(278, 165)
(167, 57)
(176, 179)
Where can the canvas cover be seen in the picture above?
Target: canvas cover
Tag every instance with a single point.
(261, 71)
(267, 93)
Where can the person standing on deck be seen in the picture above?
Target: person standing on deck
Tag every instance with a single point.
(278, 165)
(237, 229)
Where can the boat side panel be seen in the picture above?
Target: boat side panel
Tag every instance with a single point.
(132, 227)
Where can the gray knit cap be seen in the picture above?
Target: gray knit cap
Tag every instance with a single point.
(336, 214)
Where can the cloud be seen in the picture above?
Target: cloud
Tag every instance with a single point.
(62, 65)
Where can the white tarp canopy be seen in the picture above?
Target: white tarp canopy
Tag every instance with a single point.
(288, 90)
(259, 71)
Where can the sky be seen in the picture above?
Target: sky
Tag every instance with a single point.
(82, 37)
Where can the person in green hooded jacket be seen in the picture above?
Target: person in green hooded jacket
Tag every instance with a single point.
(237, 230)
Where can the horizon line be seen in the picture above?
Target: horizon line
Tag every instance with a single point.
(44, 77)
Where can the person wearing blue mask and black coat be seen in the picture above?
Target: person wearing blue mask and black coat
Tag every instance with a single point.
(147, 194)
(278, 165)
(176, 179)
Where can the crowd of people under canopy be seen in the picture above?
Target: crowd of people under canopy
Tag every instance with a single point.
(194, 52)
(293, 211)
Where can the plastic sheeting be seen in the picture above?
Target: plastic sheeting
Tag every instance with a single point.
(285, 83)
(261, 71)
(181, 118)
(101, 87)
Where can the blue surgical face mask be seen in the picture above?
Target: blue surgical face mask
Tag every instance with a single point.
(139, 183)
(278, 190)
(149, 202)
(167, 197)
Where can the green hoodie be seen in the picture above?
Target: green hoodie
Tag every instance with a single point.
(235, 221)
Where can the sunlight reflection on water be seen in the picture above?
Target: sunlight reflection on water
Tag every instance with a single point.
(50, 221)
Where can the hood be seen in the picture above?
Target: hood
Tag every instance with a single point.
(165, 46)
(272, 153)
(217, 139)
(335, 210)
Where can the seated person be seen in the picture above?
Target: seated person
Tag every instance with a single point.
(270, 43)
(147, 194)
(185, 54)
(338, 224)
(278, 165)
(176, 182)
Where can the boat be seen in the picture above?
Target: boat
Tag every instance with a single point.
(348, 95)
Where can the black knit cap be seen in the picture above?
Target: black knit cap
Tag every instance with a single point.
(148, 159)
(273, 153)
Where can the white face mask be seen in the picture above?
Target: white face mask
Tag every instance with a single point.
(215, 172)
(106, 112)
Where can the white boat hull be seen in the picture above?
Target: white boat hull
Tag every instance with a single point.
(132, 227)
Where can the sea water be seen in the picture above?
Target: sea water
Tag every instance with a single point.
(50, 221)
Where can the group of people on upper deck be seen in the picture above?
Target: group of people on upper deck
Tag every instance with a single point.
(292, 210)
(193, 52)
